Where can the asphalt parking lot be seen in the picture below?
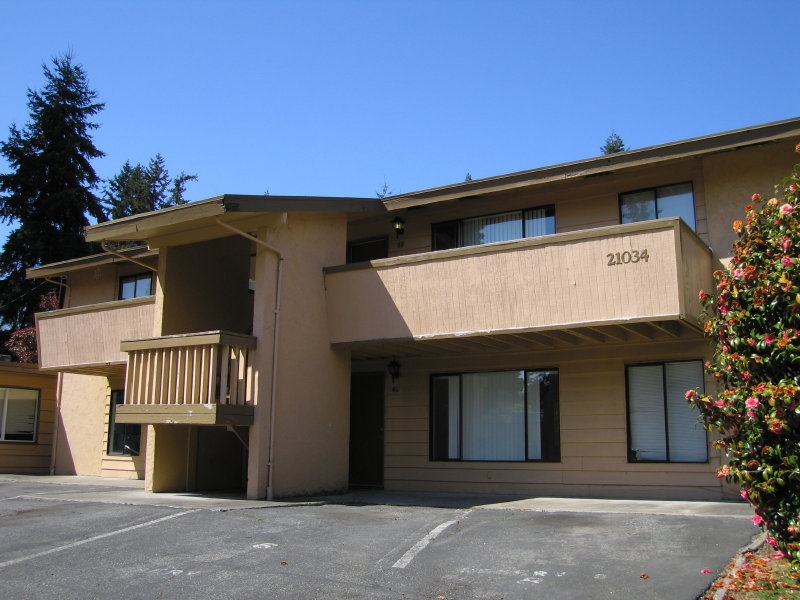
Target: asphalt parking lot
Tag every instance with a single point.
(85, 538)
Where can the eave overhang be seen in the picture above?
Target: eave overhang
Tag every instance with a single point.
(652, 155)
(229, 208)
(95, 260)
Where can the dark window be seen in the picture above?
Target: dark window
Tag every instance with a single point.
(662, 425)
(498, 416)
(499, 227)
(656, 203)
(19, 411)
(364, 250)
(135, 286)
(123, 438)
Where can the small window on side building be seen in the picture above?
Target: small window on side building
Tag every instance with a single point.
(135, 286)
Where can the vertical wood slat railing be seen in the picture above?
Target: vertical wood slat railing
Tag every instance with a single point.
(198, 368)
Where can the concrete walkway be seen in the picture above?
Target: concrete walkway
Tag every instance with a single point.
(127, 491)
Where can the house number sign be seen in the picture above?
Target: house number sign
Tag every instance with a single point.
(616, 259)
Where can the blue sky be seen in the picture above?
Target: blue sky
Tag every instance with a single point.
(333, 97)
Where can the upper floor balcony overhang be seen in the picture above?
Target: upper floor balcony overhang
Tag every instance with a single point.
(86, 339)
(627, 282)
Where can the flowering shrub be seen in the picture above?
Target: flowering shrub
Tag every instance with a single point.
(754, 321)
(22, 342)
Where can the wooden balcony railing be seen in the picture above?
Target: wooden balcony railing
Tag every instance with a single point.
(180, 378)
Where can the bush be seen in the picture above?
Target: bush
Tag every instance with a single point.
(754, 321)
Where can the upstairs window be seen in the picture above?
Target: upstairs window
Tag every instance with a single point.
(497, 416)
(499, 227)
(371, 249)
(19, 410)
(135, 286)
(657, 203)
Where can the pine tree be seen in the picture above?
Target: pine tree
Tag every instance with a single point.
(613, 144)
(48, 194)
(138, 189)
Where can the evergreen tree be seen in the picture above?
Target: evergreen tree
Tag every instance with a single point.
(48, 193)
(613, 144)
(138, 189)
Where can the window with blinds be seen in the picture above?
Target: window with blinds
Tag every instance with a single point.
(496, 416)
(500, 227)
(19, 410)
(662, 425)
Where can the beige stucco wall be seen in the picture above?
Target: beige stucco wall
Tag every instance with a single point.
(82, 425)
(312, 412)
(593, 431)
(204, 287)
(100, 283)
(732, 178)
(25, 457)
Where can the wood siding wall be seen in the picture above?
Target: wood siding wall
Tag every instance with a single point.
(594, 460)
(25, 457)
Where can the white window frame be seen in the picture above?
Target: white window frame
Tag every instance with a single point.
(4, 413)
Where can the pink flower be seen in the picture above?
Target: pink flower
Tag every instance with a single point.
(786, 261)
(786, 209)
(719, 403)
(705, 571)
(757, 520)
(743, 494)
(751, 402)
(723, 471)
(769, 338)
(690, 394)
(751, 414)
(756, 197)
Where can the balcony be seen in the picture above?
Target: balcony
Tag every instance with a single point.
(634, 281)
(85, 339)
(194, 379)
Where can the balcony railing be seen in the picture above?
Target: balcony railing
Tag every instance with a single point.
(616, 276)
(86, 339)
(200, 378)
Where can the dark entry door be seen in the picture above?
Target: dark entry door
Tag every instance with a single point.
(366, 429)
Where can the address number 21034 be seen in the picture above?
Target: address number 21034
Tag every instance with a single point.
(616, 259)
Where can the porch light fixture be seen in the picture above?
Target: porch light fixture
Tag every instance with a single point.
(399, 226)
(394, 372)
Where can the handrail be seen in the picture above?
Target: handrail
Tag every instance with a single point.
(203, 368)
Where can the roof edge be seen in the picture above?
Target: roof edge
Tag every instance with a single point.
(708, 144)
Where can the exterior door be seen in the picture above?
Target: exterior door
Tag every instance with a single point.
(366, 429)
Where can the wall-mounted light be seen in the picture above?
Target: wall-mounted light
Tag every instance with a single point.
(399, 226)
(394, 372)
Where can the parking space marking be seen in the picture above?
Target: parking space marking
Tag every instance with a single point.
(94, 538)
(406, 559)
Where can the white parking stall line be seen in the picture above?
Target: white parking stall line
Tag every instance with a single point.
(93, 539)
(406, 559)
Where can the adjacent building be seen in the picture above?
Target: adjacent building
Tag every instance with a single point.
(529, 333)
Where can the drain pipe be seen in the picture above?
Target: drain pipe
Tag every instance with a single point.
(56, 423)
(275, 337)
(118, 254)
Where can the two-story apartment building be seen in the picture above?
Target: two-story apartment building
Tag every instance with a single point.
(528, 333)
